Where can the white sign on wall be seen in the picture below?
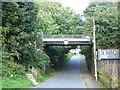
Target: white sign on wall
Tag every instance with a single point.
(108, 54)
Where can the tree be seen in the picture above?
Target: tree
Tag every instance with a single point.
(19, 33)
(56, 19)
(106, 19)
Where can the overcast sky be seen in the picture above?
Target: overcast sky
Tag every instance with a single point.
(77, 5)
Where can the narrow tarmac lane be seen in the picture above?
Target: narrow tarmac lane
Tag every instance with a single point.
(74, 75)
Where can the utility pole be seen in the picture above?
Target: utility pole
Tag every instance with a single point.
(94, 46)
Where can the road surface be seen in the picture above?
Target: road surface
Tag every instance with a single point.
(74, 75)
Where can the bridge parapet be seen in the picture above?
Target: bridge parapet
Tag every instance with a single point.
(66, 36)
(72, 39)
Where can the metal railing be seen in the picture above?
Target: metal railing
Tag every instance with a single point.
(66, 36)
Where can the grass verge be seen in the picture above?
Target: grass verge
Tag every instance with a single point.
(42, 77)
(19, 82)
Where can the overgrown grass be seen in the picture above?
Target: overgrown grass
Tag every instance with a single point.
(107, 80)
(19, 82)
(13, 76)
(42, 77)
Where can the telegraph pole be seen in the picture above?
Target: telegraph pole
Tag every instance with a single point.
(94, 46)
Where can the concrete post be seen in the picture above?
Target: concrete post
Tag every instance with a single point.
(94, 46)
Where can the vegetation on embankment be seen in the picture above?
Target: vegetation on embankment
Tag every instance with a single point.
(41, 77)
(22, 24)
(13, 76)
(19, 39)
(107, 80)
(106, 21)
(87, 51)
(58, 56)
(106, 15)
(19, 82)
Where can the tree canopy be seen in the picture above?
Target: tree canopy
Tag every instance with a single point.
(56, 19)
(19, 34)
(106, 20)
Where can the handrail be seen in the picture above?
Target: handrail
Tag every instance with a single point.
(66, 36)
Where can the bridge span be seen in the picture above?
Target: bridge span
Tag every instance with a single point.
(67, 40)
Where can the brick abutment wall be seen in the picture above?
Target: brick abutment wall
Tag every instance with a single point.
(111, 67)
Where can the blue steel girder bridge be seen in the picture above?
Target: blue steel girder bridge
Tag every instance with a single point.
(62, 39)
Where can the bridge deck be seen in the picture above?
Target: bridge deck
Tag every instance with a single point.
(62, 39)
(72, 41)
(59, 39)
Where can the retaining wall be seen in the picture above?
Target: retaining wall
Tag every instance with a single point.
(112, 67)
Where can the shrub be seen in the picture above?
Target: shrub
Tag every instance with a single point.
(11, 69)
(107, 80)
(41, 77)
(57, 56)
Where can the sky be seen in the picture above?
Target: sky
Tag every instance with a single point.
(77, 5)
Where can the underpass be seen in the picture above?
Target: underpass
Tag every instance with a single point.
(73, 75)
